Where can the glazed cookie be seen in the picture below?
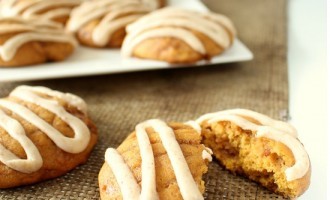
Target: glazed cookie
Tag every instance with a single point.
(31, 41)
(157, 161)
(101, 23)
(43, 135)
(176, 35)
(263, 149)
(56, 10)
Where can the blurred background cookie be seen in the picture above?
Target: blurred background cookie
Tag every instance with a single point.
(262, 149)
(33, 41)
(157, 160)
(177, 35)
(56, 10)
(102, 23)
(43, 135)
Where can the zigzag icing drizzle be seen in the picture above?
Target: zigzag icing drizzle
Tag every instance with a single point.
(34, 161)
(36, 8)
(268, 128)
(179, 23)
(27, 30)
(114, 14)
(130, 188)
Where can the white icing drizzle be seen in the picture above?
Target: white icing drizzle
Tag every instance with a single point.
(36, 8)
(113, 15)
(16, 131)
(188, 187)
(77, 144)
(195, 126)
(129, 187)
(206, 155)
(268, 128)
(262, 119)
(71, 99)
(180, 22)
(148, 163)
(27, 31)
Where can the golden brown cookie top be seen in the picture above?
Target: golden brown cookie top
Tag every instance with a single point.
(52, 101)
(149, 135)
(16, 31)
(264, 126)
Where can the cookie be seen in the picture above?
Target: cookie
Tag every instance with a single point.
(158, 160)
(43, 134)
(177, 35)
(32, 41)
(262, 149)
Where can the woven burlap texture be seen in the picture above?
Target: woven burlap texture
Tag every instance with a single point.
(118, 102)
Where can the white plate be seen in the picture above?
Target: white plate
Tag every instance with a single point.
(88, 61)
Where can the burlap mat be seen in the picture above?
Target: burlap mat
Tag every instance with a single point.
(118, 102)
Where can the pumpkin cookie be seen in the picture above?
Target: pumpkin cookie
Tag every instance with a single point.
(43, 135)
(32, 41)
(263, 149)
(158, 160)
(176, 35)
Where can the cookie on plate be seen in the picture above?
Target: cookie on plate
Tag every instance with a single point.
(177, 35)
(263, 149)
(43, 135)
(33, 41)
(56, 10)
(157, 161)
(102, 23)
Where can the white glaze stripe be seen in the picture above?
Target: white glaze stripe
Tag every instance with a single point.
(195, 126)
(268, 128)
(148, 191)
(71, 99)
(263, 119)
(186, 182)
(129, 187)
(56, 13)
(16, 131)
(33, 23)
